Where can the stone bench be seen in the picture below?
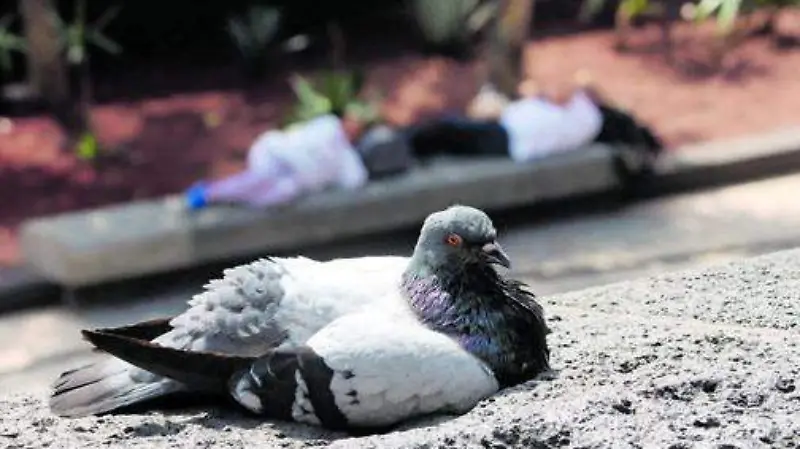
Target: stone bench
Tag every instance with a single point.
(147, 237)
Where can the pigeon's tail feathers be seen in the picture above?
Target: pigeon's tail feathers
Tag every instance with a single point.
(145, 330)
(197, 371)
(103, 387)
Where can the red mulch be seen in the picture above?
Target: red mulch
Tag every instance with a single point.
(168, 143)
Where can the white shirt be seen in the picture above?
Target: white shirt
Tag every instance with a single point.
(317, 153)
(537, 127)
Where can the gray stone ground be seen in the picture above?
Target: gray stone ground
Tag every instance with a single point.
(703, 358)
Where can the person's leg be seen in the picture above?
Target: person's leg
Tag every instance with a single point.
(480, 138)
(248, 186)
(618, 125)
(282, 191)
(460, 136)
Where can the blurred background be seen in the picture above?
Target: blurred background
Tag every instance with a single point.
(115, 110)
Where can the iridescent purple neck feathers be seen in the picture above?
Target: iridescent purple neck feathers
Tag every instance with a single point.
(492, 318)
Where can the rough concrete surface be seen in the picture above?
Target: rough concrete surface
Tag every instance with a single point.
(704, 358)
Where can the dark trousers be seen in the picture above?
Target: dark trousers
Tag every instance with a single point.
(458, 136)
(395, 150)
(468, 137)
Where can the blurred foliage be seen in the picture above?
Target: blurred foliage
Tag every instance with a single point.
(628, 8)
(78, 34)
(451, 22)
(9, 42)
(87, 147)
(252, 33)
(331, 92)
(727, 11)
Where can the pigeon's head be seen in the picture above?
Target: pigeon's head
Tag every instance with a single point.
(459, 236)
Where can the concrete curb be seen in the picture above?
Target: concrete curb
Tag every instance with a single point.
(23, 287)
(725, 162)
(143, 238)
(86, 249)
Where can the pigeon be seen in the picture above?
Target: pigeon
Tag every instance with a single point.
(370, 362)
(254, 307)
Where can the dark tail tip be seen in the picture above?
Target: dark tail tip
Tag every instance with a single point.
(205, 370)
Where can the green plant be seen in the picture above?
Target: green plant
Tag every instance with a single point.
(9, 42)
(331, 92)
(77, 35)
(627, 9)
(87, 147)
(445, 22)
(727, 11)
(252, 33)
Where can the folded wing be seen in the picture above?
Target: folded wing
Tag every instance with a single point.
(365, 370)
(368, 370)
(253, 308)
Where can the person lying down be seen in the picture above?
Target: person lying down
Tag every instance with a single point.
(282, 165)
(345, 153)
(534, 125)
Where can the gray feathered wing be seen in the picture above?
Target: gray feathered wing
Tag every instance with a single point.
(363, 370)
(253, 308)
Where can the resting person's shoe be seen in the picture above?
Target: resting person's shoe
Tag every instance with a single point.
(196, 196)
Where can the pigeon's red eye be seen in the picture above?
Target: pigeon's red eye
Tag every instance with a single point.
(453, 240)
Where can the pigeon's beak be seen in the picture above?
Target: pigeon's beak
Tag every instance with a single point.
(494, 253)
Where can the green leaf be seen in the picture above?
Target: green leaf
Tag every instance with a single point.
(589, 9)
(632, 8)
(706, 8)
(108, 15)
(306, 93)
(16, 43)
(727, 15)
(252, 32)
(103, 42)
(443, 20)
(338, 88)
(9, 42)
(87, 147)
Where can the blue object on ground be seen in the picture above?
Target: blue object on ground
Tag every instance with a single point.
(196, 197)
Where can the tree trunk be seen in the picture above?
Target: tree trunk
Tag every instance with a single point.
(507, 45)
(48, 73)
